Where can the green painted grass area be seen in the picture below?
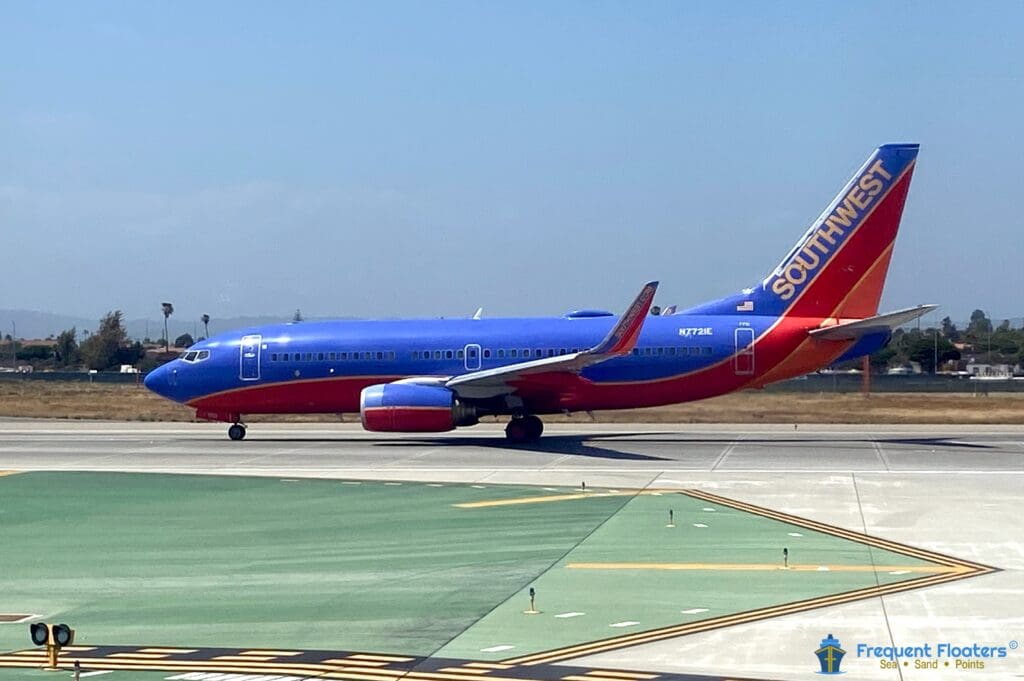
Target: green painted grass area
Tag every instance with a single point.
(229, 561)
(15, 674)
(656, 598)
(211, 561)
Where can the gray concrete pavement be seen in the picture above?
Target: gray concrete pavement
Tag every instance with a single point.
(954, 489)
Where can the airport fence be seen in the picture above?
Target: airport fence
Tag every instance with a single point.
(813, 383)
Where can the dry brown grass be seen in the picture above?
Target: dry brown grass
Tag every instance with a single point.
(134, 403)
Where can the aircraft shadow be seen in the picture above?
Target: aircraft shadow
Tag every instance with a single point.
(574, 445)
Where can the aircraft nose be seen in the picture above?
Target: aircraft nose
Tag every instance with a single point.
(156, 380)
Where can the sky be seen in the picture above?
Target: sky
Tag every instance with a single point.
(384, 159)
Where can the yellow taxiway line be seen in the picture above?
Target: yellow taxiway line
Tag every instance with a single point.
(562, 497)
(927, 569)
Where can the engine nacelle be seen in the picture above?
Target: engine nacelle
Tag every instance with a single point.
(412, 408)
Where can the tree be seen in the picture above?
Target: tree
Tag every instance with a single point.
(980, 324)
(297, 317)
(949, 329)
(67, 347)
(206, 325)
(109, 346)
(168, 310)
(184, 340)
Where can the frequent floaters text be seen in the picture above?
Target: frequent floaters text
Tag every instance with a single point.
(823, 242)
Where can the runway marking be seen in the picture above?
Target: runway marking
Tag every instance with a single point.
(621, 675)
(275, 653)
(693, 611)
(755, 567)
(169, 651)
(794, 534)
(559, 497)
(15, 618)
(627, 623)
(957, 569)
(140, 656)
(496, 649)
(568, 615)
(244, 658)
(699, 525)
(355, 663)
(380, 658)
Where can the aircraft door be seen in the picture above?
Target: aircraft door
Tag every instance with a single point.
(744, 358)
(249, 358)
(472, 357)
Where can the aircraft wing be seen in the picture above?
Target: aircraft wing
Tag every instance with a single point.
(862, 327)
(619, 341)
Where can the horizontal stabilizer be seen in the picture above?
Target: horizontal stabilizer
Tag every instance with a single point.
(859, 328)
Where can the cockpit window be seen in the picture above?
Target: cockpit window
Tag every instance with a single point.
(190, 356)
(203, 354)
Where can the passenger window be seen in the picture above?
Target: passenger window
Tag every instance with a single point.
(284, 357)
(343, 355)
(380, 355)
(320, 356)
(538, 352)
(367, 355)
(447, 354)
(273, 357)
(661, 351)
(706, 351)
(512, 353)
(459, 354)
(391, 354)
(636, 351)
(415, 354)
(647, 351)
(437, 354)
(551, 352)
(487, 354)
(671, 351)
(561, 351)
(501, 353)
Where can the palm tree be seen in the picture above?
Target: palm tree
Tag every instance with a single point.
(168, 311)
(206, 325)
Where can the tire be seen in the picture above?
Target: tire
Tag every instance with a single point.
(516, 431)
(534, 427)
(236, 432)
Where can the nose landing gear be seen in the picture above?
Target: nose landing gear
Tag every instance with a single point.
(236, 431)
(522, 429)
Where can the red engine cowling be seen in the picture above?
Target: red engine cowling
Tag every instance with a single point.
(412, 408)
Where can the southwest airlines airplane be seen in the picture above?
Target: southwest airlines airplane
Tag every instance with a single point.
(818, 307)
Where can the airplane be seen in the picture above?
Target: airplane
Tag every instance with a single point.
(819, 306)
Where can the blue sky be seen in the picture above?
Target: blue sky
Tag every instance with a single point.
(424, 159)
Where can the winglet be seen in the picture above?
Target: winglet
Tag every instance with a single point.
(621, 339)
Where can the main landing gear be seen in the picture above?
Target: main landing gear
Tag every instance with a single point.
(236, 431)
(522, 429)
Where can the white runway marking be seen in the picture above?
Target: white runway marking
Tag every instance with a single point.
(627, 623)
(351, 482)
(96, 673)
(708, 509)
(900, 572)
(567, 615)
(393, 484)
(694, 611)
(699, 525)
(794, 534)
(496, 649)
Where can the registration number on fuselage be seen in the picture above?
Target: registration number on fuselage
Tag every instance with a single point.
(696, 331)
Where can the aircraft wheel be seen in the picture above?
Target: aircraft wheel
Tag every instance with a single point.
(534, 427)
(236, 432)
(516, 431)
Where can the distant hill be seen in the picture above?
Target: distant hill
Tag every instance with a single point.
(33, 324)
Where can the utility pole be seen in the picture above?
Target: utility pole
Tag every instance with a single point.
(14, 346)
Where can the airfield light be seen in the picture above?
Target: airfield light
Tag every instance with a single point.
(785, 558)
(54, 637)
(40, 633)
(533, 609)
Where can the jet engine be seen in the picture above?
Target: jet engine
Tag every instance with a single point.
(413, 408)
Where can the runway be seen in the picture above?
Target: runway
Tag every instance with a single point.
(955, 490)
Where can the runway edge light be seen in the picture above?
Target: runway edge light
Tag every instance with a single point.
(54, 637)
